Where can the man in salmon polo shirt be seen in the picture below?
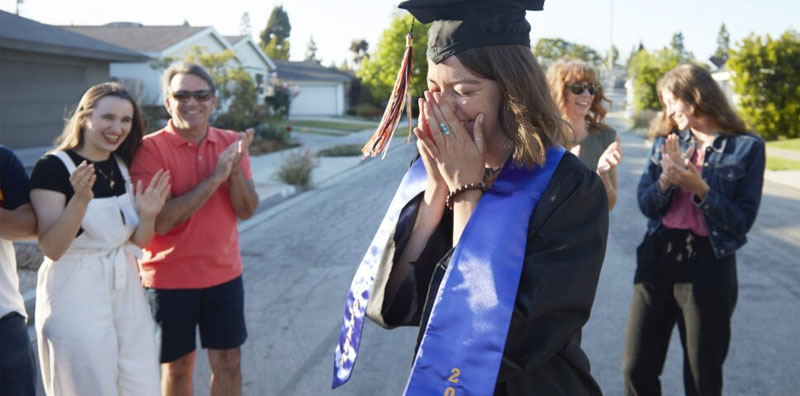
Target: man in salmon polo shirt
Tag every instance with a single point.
(192, 268)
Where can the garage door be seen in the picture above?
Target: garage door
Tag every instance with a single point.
(34, 98)
(315, 100)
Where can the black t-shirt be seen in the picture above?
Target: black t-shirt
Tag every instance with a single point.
(14, 186)
(50, 173)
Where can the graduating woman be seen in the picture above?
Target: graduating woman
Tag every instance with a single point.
(494, 241)
(700, 191)
(580, 96)
(96, 335)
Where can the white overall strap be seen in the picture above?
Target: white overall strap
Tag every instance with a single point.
(65, 158)
(123, 169)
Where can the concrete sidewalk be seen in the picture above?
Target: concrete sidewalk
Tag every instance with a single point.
(271, 190)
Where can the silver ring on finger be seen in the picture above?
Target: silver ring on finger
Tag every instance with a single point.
(445, 128)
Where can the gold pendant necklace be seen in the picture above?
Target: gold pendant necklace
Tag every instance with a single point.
(110, 179)
(490, 175)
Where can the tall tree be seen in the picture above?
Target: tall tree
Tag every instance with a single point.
(244, 24)
(359, 49)
(613, 55)
(723, 47)
(678, 46)
(379, 71)
(311, 51)
(547, 51)
(647, 68)
(275, 37)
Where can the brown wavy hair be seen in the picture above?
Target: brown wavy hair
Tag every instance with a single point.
(528, 116)
(694, 86)
(565, 71)
(72, 135)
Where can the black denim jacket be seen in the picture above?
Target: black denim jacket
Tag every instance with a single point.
(734, 171)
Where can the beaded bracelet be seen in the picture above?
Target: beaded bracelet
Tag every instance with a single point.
(471, 186)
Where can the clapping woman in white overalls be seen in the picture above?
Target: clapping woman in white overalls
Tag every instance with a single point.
(96, 335)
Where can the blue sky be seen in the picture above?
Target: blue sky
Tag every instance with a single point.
(333, 24)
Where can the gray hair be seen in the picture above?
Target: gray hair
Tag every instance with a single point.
(185, 68)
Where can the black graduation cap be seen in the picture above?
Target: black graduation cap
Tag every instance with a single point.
(459, 25)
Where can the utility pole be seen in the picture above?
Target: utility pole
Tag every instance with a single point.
(611, 36)
(18, 3)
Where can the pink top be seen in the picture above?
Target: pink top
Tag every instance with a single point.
(202, 251)
(683, 213)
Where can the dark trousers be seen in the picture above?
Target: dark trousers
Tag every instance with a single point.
(679, 280)
(17, 364)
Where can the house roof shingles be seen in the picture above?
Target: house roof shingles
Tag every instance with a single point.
(138, 37)
(309, 71)
(233, 40)
(23, 34)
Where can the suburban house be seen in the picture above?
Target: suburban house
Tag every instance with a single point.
(44, 70)
(256, 62)
(173, 42)
(322, 91)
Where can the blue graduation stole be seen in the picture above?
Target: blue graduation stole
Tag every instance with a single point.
(463, 343)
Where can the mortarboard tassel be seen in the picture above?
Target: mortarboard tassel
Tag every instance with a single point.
(379, 141)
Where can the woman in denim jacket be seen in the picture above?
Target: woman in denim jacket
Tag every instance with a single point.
(700, 190)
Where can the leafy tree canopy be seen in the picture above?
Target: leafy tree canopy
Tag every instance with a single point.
(766, 76)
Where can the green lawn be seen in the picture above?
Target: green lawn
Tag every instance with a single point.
(344, 126)
(788, 144)
(777, 163)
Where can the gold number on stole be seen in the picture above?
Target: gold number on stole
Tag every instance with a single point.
(450, 391)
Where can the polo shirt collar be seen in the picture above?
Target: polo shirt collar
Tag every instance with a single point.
(212, 136)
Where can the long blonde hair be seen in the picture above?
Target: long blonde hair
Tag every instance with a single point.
(528, 116)
(72, 135)
(564, 71)
(694, 86)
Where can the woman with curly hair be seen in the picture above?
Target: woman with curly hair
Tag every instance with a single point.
(580, 96)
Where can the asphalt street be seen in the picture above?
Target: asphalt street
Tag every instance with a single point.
(300, 256)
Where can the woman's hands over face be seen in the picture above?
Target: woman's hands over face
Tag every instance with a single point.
(450, 154)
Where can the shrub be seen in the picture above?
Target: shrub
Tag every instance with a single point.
(155, 118)
(641, 119)
(366, 110)
(342, 150)
(297, 167)
(767, 80)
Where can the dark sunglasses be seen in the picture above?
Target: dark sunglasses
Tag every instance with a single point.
(200, 96)
(578, 88)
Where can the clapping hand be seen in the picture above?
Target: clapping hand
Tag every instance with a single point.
(243, 142)
(82, 181)
(680, 172)
(610, 158)
(150, 201)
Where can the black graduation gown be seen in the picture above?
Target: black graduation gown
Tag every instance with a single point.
(564, 253)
